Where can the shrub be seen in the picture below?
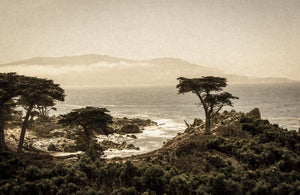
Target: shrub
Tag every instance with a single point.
(180, 184)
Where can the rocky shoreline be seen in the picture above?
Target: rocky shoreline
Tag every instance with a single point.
(62, 142)
(244, 154)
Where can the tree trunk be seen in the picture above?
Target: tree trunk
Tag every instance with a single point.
(2, 136)
(24, 127)
(207, 124)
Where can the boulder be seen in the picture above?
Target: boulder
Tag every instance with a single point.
(105, 144)
(110, 130)
(132, 147)
(53, 147)
(131, 136)
(130, 128)
(197, 122)
(255, 114)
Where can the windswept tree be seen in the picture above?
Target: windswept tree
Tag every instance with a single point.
(44, 110)
(9, 89)
(91, 119)
(210, 92)
(37, 92)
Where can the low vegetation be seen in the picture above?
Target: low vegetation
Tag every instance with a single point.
(267, 162)
(235, 153)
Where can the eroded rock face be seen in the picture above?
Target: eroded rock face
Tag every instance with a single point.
(255, 114)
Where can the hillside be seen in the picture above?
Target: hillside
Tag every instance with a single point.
(103, 70)
(244, 155)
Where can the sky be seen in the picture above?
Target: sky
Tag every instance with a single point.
(248, 37)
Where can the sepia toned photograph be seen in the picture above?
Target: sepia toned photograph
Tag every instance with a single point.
(150, 97)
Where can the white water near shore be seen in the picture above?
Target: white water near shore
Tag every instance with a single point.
(279, 103)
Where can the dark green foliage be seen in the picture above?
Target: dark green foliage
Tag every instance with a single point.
(91, 119)
(128, 173)
(36, 92)
(154, 179)
(9, 89)
(211, 165)
(125, 191)
(180, 184)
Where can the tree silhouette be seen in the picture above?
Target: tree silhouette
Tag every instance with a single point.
(209, 91)
(36, 92)
(91, 119)
(9, 89)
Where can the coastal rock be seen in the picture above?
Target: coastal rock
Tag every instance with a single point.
(124, 145)
(132, 147)
(197, 122)
(105, 144)
(255, 114)
(53, 147)
(110, 130)
(131, 136)
(130, 129)
(64, 145)
(119, 123)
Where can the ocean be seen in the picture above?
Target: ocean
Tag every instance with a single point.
(279, 103)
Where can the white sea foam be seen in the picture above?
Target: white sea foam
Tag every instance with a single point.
(278, 103)
(151, 139)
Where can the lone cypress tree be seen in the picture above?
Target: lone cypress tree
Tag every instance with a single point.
(209, 90)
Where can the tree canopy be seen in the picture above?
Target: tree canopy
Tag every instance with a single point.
(27, 92)
(209, 90)
(91, 119)
(37, 92)
(9, 89)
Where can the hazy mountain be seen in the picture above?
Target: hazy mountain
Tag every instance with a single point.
(102, 70)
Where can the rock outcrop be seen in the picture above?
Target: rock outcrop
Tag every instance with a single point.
(64, 145)
(224, 125)
(255, 114)
(130, 129)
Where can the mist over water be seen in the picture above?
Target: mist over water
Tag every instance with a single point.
(279, 103)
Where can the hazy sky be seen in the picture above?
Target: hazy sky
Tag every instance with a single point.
(253, 37)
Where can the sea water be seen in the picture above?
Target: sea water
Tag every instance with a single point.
(279, 103)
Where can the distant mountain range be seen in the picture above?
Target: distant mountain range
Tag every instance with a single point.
(103, 70)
